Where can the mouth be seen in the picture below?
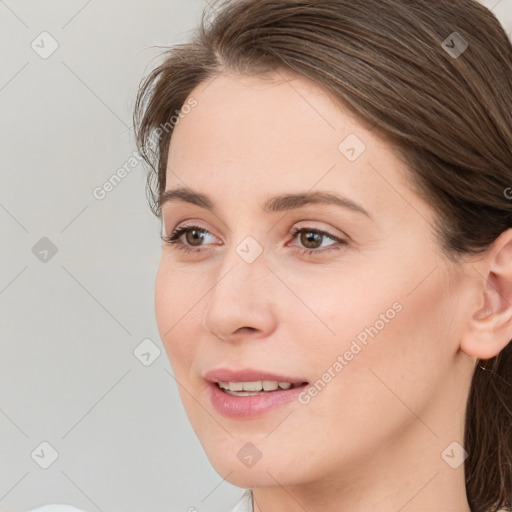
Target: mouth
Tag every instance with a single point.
(247, 394)
(259, 387)
(252, 381)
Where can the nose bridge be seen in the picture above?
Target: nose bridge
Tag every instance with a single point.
(243, 264)
(241, 296)
(238, 278)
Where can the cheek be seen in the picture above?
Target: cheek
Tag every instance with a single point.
(394, 358)
(390, 316)
(340, 310)
(177, 313)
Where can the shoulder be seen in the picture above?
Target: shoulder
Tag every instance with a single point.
(56, 508)
(243, 505)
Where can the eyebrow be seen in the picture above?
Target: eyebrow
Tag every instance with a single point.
(279, 203)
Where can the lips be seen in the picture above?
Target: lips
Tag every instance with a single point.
(249, 375)
(242, 405)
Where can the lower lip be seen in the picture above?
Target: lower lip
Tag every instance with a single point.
(243, 407)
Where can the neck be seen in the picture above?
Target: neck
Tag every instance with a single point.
(407, 475)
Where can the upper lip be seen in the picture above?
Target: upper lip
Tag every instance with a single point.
(248, 375)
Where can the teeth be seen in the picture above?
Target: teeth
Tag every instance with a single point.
(265, 385)
(270, 385)
(247, 386)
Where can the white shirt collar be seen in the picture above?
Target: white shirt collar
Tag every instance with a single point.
(245, 503)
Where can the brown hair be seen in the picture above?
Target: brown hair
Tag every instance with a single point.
(446, 108)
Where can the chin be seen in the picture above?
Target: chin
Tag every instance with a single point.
(257, 476)
(265, 472)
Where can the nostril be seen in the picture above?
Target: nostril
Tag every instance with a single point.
(250, 329)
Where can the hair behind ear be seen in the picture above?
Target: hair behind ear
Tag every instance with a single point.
(488, 433)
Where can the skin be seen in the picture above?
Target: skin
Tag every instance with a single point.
(372, 438)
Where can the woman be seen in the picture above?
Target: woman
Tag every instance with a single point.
(334, 180)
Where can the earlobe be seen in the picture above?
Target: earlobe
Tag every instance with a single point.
(490, 326)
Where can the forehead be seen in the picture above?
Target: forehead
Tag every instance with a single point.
(271, 109)
(255, 136)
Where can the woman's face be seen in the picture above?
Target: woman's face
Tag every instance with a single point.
(360, 303)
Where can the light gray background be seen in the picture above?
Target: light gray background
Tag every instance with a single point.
(69, 325)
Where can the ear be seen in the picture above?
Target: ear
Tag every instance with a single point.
(490, 326)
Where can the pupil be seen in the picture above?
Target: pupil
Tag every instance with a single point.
(308, 238)
(194, 236)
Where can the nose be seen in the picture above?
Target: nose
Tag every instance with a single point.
(242, 303)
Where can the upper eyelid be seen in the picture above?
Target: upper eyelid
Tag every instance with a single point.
(181, 229)
(186, 221)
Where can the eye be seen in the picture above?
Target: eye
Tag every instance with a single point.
(310, 237)
(197, 234)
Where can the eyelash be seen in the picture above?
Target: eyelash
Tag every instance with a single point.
(173, 239)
